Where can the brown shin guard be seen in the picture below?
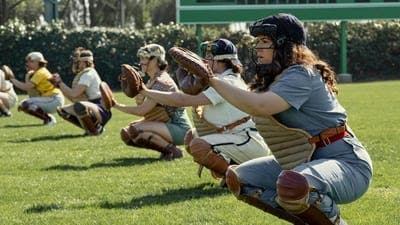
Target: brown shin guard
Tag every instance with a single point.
(188, 138)
(293, 193)
(315, 216)
(278, 212)
(125, 136)
(203, 155)
(232, 181)
(234, 185)
(85, 119)
(34, 111)
(68, 117)
(147, 143)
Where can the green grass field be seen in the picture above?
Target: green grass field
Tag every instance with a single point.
(54, 175)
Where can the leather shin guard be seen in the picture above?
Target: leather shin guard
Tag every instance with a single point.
(85, 119)
(233, 181)
(293, 193)
(34, 111)
(203, 155)
(125, 136)
(278, 212)
(189, 136)
(315, 216)
(68, 117)
(146, 143)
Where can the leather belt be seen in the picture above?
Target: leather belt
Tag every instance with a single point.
(233, 125)
(329, 136)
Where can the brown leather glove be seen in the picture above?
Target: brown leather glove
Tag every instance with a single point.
(199, 71)
(107, 98)
(131, 81)
(7, 72)
(189, 83)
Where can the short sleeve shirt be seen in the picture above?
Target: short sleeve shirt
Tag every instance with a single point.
(41, 79)
(220, 112)
(314, 107)
(164, 82)
(91, 79)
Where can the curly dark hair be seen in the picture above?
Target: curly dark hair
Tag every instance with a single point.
(294, 54)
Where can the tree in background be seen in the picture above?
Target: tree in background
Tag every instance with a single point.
(90, 13)
(25, 10)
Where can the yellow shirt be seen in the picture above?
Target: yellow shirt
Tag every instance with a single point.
(42, 84)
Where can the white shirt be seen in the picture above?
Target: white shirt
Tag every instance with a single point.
(5, 85)
(221, 113)
(90, 78)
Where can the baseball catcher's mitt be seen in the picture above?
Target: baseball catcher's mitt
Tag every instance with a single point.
(106, 96)
(7, 72)
(198, 72)
(189, 83)
(131, 81)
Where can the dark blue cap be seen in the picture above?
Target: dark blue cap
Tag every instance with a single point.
(224, 47)
(282, 28)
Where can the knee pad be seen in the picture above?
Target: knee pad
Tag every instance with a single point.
(203, 155)
(134, 132)
(200, 150)
(125, 136)
(233, 181)
(87, 121)
(293, 191)
(24, 106)
(68, 117)
(188, 138)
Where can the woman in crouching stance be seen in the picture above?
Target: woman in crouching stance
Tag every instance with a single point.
(86, 111)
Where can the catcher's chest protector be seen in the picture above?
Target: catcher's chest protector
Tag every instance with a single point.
(202, 126)
(290, 146)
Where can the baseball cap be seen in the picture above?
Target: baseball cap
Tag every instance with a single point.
(36, 56)
(221, 49)
(152, 50)
(282, 28)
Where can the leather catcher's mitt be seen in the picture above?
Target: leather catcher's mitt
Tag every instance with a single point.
(7, 72)
(189, 83)
(131, 81)
(198, 74)
(106, 96)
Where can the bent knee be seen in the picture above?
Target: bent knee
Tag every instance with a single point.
(292, 191)
(125, 136)
(189, 136)
(199, 149)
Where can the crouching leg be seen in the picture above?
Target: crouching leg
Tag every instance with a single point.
(87, 119)
(293, 194)
(202, 154)
(235, 186)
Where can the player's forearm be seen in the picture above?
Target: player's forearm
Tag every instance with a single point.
(241, 99)
(129, 109)
(21, 85)
(165, 98)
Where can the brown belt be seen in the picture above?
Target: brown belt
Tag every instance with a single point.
(233, 125)
(329, 136)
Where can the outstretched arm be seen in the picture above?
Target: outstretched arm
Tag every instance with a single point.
(256, 104)
(177, 99)
(139, 110)
(25, 86)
